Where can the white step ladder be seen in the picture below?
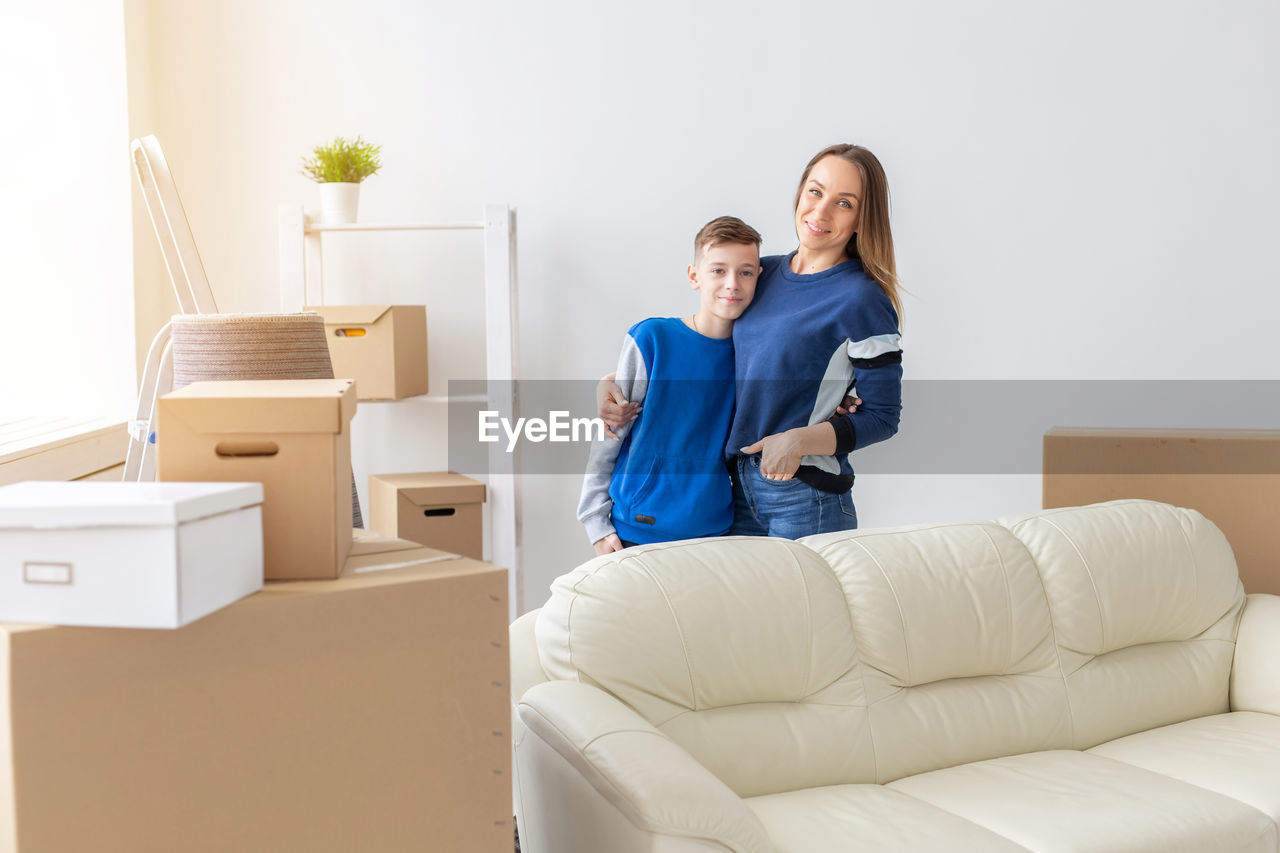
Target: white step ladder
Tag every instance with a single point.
(190, 285)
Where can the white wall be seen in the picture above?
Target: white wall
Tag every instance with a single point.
(1081, 190)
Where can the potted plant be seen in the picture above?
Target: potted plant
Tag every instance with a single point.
(338, 168)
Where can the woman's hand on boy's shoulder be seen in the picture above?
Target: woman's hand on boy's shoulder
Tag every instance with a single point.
(613, 407)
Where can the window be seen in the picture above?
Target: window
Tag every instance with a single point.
(66, 268)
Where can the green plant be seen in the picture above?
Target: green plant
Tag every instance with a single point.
(342, 160)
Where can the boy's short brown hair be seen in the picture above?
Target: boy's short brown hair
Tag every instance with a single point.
(724, 229)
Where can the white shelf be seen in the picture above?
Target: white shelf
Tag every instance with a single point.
(315, 228)
(302, 283)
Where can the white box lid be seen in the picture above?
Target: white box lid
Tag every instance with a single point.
(48, 505)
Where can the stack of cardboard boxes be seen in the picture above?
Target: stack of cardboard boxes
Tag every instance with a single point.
(358, 701)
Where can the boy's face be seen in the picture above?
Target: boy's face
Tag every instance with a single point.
(725, 275)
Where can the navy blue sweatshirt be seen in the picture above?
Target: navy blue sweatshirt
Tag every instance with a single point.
(804, 342)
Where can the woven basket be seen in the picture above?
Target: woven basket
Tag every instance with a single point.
(208, 347)
(215, 347)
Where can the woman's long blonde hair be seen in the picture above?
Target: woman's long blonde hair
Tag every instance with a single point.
(872, 244)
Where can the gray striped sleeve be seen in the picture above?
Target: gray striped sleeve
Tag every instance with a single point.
(595, 507)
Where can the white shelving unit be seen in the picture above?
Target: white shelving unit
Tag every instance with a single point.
(302, 283)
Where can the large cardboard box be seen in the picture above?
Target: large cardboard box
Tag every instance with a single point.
(1232, 476)
(382, 347)
(127, 555)
(367, 713)
(439, 509)
(294, 437)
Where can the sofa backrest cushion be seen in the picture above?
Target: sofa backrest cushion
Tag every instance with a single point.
(739, 649)
(1145, 600)
(867, 656)
(955, 642)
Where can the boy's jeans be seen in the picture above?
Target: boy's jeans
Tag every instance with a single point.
(786, 508)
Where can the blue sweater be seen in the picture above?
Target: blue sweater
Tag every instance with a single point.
(804, 341)
(666, 478)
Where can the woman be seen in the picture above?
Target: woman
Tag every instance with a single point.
(824, 319)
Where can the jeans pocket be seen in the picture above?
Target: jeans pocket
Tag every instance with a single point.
(846, 507)
(782, 484)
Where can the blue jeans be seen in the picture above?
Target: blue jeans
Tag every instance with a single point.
(786, 508)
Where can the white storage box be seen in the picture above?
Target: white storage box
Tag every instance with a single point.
(127, 555)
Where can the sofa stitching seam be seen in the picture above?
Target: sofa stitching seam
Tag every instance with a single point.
(1195, 564)
(684, 646)
(1097, 596)
(808, 612)
(568, 624)
(858, 665)
(902, 616)
(628, 731)
(1008, 597)
(866, 692)
(1057, 646)
(568, 618)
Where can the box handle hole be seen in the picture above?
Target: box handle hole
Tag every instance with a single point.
(349, 333)
(47, 573)
(433, 513)
(246, 448)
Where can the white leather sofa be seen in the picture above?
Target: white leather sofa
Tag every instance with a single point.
(1089, 679)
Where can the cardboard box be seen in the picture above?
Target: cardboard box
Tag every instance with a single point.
(367, 713)
(294, 437)
(127, 555)
(439, 509)
(382, 347)
(389, 553)
(1232, 476)
(366, 542)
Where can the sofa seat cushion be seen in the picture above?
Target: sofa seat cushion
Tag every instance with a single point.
(1075, 801)
(853, 818)
(1233, 754)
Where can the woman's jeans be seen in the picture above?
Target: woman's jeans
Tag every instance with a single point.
(786, 508)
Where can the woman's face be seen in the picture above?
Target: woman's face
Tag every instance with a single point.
(830, 200)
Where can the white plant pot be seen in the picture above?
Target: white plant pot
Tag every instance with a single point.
(338, 203)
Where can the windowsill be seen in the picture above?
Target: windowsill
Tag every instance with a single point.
(60, 448)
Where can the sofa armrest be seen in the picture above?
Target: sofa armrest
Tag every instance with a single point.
(526, 669)
(670, 800)
(1255, 673)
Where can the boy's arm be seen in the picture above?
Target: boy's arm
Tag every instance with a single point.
(595, 507)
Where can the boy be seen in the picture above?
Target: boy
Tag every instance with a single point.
(664, 477)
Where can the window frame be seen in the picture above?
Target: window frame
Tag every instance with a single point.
(44, 448)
